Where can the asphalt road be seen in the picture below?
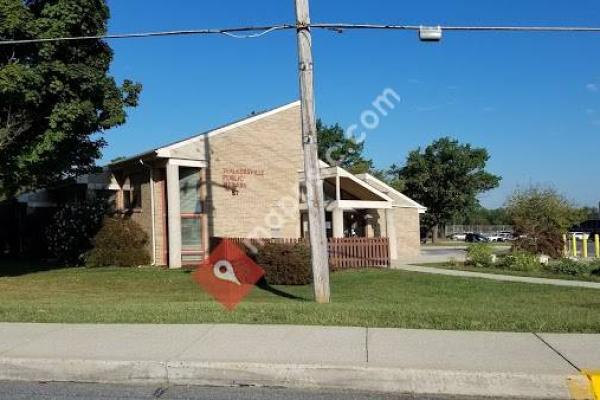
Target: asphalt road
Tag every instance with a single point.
(72, 391)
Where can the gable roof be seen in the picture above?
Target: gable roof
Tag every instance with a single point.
(329, 172)
(402, 200)
(164, 150)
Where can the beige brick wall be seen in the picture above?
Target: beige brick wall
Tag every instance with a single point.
(160, 215)
(380, 223)
(408, 234)
(262, 159)
(143, 216)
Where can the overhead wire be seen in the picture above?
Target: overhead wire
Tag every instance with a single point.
(254, 32)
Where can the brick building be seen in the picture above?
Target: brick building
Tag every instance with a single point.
(245, 180)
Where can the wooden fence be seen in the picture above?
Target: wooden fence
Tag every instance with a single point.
(349, 253)
(344, 253)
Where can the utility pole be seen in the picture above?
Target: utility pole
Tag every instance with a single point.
(312, 173)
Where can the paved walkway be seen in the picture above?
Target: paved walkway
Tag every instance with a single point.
(383, 360)
(499, 277)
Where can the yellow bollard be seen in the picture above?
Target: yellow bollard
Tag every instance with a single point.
(565, 246)
(574, 248)
(595, 379)
(597, 245)
(584, 246)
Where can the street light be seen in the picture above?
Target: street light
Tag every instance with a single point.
(430, 33)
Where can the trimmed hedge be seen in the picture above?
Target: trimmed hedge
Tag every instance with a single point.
(120, 242)
(285, 263)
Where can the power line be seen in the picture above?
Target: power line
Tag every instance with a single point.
(337, 26)
(238, 32)
(231, 32)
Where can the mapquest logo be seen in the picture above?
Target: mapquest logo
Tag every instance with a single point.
(228, 274)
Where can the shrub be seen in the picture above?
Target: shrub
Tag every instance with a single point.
(521, 261)
(540, 215)
(72, 228)
(480, 255)
(121, 243)
(594, 267)
(567, 266)
(285, 263)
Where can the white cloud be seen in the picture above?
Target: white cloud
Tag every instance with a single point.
(592, 87)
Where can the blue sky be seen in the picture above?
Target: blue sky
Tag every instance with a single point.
(532, 99)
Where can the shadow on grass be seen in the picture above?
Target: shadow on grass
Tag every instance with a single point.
(13, 267)
(264, 285)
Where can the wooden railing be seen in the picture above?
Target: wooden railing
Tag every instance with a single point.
(350, 253)
(344, 253)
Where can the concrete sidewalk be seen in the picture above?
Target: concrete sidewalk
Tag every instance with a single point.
(383, 360)
(436, 254)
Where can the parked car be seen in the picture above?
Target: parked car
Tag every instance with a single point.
(458, 236)
(507, 236)
(495, 237)
(579, 235)
(476, 238)
(591, 226)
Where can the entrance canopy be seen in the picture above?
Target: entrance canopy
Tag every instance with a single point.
(345, 191)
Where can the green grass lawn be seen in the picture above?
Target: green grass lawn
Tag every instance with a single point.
(460, 266)
(371, 298)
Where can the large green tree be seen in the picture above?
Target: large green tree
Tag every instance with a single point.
(446, 177)
(336, 148)
(56, 98)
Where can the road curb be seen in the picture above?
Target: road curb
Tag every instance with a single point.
(74, 370)
(434, 382)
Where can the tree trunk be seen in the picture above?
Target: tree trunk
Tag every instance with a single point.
(434, 233)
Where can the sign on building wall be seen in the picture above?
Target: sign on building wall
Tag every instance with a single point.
(236, 179)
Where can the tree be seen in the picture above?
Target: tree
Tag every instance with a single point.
(540, 216)
(446, 178)
(589, 213)
(337, 149)
(56, 98)
(479, 215)
(391, 176)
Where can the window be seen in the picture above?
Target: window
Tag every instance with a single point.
(189, 190)
(110, 196)
(132, 192)
(136, 196)
(192, 240)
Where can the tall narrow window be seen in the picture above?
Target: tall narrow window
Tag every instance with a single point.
(192, 239)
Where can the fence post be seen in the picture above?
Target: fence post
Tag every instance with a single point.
(597, 245)
(584, 246)
(565, 246)
(574, 242)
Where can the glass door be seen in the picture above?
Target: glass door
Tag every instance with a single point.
(192, 216)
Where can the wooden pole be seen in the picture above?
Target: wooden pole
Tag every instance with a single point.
(314, 184)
